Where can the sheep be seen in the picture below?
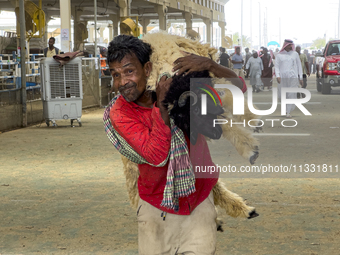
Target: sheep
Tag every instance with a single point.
(166, 49)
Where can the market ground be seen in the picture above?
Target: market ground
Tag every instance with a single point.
(62, 190)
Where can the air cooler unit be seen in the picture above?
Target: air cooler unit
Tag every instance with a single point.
(62, 92)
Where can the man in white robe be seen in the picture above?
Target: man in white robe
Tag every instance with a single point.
(255, 66)
(288, 71)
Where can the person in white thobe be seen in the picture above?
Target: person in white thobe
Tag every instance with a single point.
(288, 71)
(255, 66)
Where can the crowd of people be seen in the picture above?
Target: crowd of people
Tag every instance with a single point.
(258, 66)
(289, 65)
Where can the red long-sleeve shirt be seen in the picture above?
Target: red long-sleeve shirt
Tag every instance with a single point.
(144, 129)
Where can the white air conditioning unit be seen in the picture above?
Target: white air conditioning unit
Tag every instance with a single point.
(62, 90)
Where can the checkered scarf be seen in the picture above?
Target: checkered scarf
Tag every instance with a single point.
(180, 181)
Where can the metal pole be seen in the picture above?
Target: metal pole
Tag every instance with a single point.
(265, 39)
(339, 20)
(241, 24)
(259, 25)
(95, 29)
(280, 32)
(96, 53)
(251, 29)
(22, 61)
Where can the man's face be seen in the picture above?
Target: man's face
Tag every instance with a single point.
(50, 42)
(289, 47)
(265, 51)
(130, 77)
(298, 49)
(238, 50)
(247, 50)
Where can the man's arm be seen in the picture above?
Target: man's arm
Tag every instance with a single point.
(277, 69)
(195, 63)
(162, 88)
(247, 64)
(299, 66)
(307, 66)
(236, 62)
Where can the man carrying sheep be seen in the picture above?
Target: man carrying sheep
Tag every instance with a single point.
(166, 225)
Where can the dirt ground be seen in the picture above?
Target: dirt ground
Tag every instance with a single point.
(62, 190)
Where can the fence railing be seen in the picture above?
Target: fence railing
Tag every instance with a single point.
(10, 77)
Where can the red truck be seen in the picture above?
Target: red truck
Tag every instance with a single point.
(328, 67)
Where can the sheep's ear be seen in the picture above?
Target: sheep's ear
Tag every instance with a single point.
(148, 68)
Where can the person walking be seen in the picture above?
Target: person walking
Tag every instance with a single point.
(305, 68)
(267, 73)
(248, 56)
(224, 58)
(255, 67)
(288, 71)
(142, 121)
(312, 63)
(238, 61)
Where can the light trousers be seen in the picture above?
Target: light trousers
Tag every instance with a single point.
(193, 234)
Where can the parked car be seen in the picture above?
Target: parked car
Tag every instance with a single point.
(328, 67)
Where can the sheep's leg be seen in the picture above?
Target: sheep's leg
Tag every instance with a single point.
(232, 203)
(131, 173)
(242, 139)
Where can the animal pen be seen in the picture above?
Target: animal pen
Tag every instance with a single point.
(95, 89)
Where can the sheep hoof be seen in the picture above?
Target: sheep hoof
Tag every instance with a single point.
(219, 225)
(253, 214)
(219, 228)
(258, 130)
(254, 157)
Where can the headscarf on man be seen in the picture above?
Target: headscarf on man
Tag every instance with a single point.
(286, 43)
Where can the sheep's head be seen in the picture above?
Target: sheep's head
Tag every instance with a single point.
(184, 100)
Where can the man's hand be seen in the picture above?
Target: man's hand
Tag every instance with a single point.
(308, 74)
(162, 88)
(301, 82)
(278, 79)
(195, 63)
(192, 63)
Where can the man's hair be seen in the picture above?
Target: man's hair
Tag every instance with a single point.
(222, 49)
(52, 39)
(123, 45)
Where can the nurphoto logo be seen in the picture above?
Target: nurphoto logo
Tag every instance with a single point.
(238, 104)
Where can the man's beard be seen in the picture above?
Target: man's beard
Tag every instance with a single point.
(131, 95)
